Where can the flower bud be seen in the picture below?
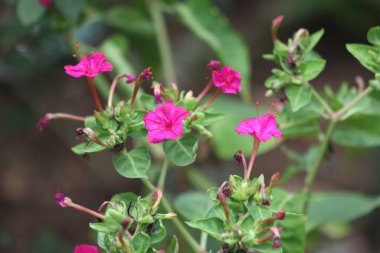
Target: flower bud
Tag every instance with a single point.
(280, 215)
(62, 200)
(43, 122)
(277, 21)
(156, 199)
(157, 93)
(130, 78)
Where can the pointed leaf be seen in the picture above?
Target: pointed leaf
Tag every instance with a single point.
(311, 69)
(173, 245)
(212, 226)
(193, 205)
(293, 236)
(141, 243)
(299, 96)
(29, 11)
(133, 164)
(182, 151)
(373, 35)
(365, 55)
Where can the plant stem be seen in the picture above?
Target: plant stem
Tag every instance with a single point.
(203, 240)
(357, 99)
(113, 87)
(94, 94)
(181, 228)
(312, 171)
(211, 100)
(60, 115)
(204, 91)
(162, 39)
(322, 102)
(164, 170)
(256, 144)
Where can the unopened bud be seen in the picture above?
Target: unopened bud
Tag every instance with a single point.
(276, 243)
(291, 61)
(238, 156)
(277, 21)
(130, 78)
(280, 215)
(62, 200)
(156, 199)
(43, 122)
(79, 132)
(157, 93)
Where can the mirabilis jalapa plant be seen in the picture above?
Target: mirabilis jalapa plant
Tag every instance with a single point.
(246, 215)
(130, 223)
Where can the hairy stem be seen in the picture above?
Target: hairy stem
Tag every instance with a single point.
(162, 39)
(312, 171)
(113, 87)
(178, 224)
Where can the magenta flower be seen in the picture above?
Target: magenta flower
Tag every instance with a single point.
(165, 122)
(45, 2)
(130, 78)
(262, 128)
(146, 74)
(228, 80)
(90, 66)
(213, 65)
(86, 248)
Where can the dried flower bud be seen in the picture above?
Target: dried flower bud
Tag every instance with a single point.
(43, 122)
(146, 74)
(276, 243)
(213, 65)
(157, 93)
(280, 215)
(62, 200)
(238, 156)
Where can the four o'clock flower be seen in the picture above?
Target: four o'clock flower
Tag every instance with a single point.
(261, 129)
(165, 122)
(227, 79)
(86, 248)
(89, 66)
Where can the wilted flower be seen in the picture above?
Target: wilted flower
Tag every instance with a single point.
(165, 122)
(227, 79)
(262, 128)
(89, 66)
(213, 65)
(130, 77)
(146, 74)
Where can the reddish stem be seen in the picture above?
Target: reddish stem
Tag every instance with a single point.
(204, 91)
(94, 94)
(212, 99)
(86, 210)
(112, 89)
(256, 145)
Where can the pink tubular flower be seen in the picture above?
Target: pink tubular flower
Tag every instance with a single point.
(45, 2)
(228, 80)
(86, 248)
(277, 21)
(262, 128)
(165, 122)
(90, 66)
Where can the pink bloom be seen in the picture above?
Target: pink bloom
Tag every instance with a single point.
(146, 74)
(89, 66)
(165, 122)
(86, 248)
(62, 200)
(228, 80)
(262, 128)
(45, 2)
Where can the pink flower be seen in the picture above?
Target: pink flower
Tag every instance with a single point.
(45, 2)
(262, 128)
(146, 74)
(86, 248)
(130, 78)
(277, 21)
(213, 65)
(228, 80)
(90, 66)
(165, 122)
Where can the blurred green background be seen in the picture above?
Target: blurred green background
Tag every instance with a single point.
(35, 44)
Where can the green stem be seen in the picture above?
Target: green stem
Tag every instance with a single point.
(322, 102)
(162, 39)
(312, 171)
(164, 171)
(181, 228)
(357, 99)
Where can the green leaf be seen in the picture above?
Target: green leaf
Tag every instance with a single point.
(29, 11)
(71, 9)
(159, 233)
(259, 212)
(141, 243)
(173, 245)
(358, 131)
(373, 35)
(289, 202)
(365, 55)
(208, 23)
(193, 205)
(299, 96)
(104, 228)
(182, 151)
(311, 69)
(293, 236)
(339, 207)
(314, 39)
(133, 164)
(148, 101)
(212, 226)
(85, 148)
(226, 141)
